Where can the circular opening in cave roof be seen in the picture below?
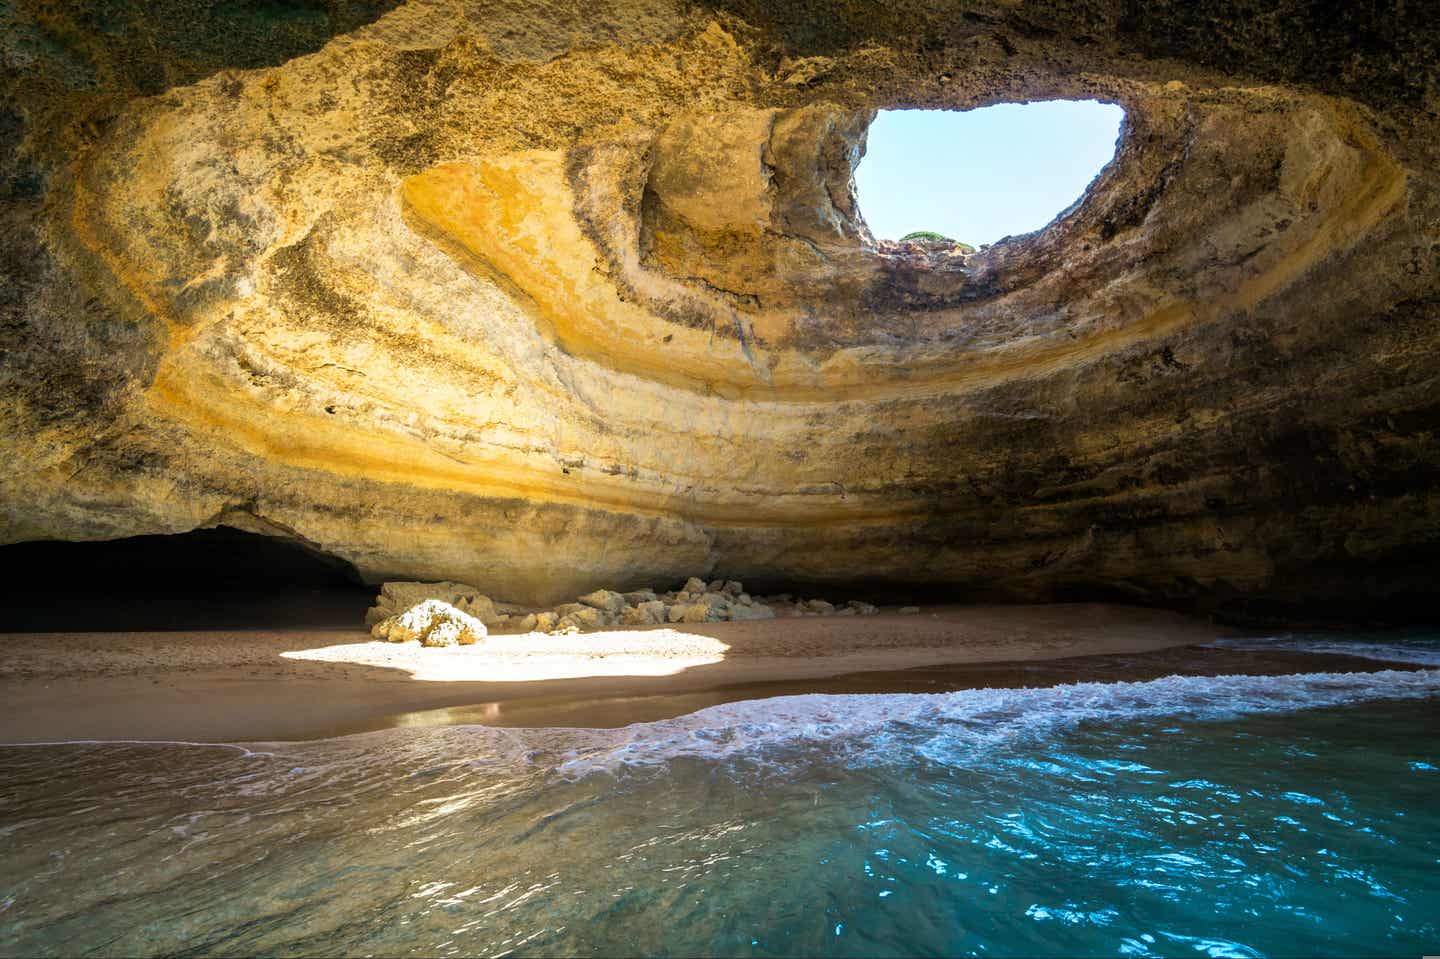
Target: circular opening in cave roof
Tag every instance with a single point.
(976, 176)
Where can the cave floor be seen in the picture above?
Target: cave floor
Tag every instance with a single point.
(284, 684)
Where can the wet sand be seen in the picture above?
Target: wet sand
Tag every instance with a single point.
(213, 686)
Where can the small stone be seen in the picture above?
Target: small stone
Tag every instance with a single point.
(693, 586)
(546, 621)
(744, 599)
(715, 585)
(528, 623)
(639, 596)
(741, 613)
(819, 606)
(653, 612)
(733, 587)
(864, 609)
(909, 610)
(565, 609)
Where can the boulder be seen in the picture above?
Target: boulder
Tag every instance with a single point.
(397, 596)
(604, 599)
(584, 618)
(431, 623)
(697, 613)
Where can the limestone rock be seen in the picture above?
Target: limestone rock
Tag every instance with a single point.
(431, 622)
(584, 618)
(545, 300)
(605, 600)
(649, 613)
(398, 596)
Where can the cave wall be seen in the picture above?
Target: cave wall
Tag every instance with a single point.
(542, 296)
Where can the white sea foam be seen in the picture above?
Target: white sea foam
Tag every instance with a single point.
(979, 718)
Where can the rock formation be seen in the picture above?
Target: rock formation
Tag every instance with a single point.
(403, 610)
(431, 622)
(545, 296)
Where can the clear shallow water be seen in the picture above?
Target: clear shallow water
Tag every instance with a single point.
(1280, 815)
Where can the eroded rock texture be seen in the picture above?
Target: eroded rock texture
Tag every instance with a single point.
(544, 296)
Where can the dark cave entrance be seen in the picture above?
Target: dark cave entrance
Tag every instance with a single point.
(220, 578)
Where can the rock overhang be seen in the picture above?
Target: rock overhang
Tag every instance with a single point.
(543, 323)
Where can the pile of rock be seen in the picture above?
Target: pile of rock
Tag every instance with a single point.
(695, 602)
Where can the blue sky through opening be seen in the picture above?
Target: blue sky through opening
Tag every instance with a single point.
(979, 175)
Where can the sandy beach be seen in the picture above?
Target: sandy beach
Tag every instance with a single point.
(212, 686)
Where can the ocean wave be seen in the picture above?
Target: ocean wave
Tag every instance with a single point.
(887, 725)
(779, 731)
(1419, 650)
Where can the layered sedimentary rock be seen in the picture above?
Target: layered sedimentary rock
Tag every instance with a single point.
(543, 297)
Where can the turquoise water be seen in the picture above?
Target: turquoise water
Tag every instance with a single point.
(1196, 816)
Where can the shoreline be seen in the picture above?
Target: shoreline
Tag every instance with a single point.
(291, 684)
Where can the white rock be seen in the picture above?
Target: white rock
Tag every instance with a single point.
(399, 595)
(431, 623)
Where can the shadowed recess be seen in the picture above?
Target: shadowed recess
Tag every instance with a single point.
(220, 578)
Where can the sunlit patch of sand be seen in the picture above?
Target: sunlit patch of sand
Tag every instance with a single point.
(534, 656)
